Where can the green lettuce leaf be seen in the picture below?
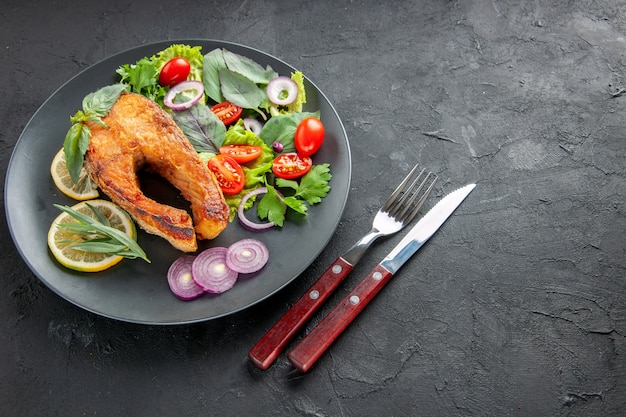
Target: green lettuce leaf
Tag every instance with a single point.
(192, 54)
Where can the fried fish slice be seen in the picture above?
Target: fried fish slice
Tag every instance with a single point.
(139, 134)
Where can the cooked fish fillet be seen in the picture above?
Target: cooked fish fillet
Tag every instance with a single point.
(141, 135)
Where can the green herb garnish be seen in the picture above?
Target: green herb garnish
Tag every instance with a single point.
(95, 106)
(97, 235)
(313, 186)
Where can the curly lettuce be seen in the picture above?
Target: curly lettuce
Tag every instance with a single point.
(192, 54)
(142, 77)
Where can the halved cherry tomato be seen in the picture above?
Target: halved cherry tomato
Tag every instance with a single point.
(228, 172)
(291, 165)
(174, 71)
(242, 153)
(227, 112)
(309, 136)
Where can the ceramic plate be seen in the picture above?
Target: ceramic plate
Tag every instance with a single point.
(134, 290)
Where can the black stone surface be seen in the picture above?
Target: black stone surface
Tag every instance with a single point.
(516, 307)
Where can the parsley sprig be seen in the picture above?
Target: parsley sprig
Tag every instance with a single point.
(309, 191)
(97, 235)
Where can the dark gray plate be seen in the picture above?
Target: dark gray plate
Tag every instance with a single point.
(133, 290)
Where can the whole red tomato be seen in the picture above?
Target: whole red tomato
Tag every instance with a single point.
(174, 71)
(309, 136)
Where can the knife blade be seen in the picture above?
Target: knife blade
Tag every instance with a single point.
(313, 345)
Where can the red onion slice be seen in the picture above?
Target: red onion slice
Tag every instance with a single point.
(180, 279)
(247, 256)
(248, 224)
(253, 125)
(182, 87)
(282, 90)
(210, 271)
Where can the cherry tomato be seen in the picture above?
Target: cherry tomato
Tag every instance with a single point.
(309, 136)
(227, 112)
(291, 165)
(228, 172)
(174, 71)
(242, 153)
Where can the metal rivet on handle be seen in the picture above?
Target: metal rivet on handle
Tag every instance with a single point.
(377, 276)
(337, 269)
(355, 300)
(315, 294)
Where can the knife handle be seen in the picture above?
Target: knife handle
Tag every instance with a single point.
(313, 345)
(274, 341)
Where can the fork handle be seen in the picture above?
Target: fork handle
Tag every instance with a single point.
(274, 341)
(312, 346)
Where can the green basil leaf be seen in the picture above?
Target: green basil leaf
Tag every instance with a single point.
(282, 128)
(202, 127)
(100, 102)
(211, 65)
(74, 146)
(248, 68)
(78, 117)
(240, 90)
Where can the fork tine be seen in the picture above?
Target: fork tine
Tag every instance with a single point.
(399, 189)
(407, 215)
(408, 194)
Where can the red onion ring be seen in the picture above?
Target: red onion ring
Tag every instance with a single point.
(247, 256)
(180, 279)
(248, 224)
(168, 100)
(253, 125)
(210, 271)
(282, 90)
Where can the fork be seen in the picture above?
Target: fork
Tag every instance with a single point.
(398, 211)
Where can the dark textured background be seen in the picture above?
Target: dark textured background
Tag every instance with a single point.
(517, 307)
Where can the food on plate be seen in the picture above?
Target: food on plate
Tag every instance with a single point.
(138, 134)
(282, 90)
(242, 153)
(309, 136)
(291, 165)
(174, 71)
(220, 128)
(215, 270)
(180, 279)
(228, 172)
(83, 189)
(184, 95)
(70, 238)
(227, 112)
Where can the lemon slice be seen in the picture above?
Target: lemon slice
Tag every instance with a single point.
(84, 189)
(59, 240)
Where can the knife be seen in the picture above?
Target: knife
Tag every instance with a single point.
(313, 345)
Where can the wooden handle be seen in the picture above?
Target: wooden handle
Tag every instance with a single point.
(274, 341)
(311, 348)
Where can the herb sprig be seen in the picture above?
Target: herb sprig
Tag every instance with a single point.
(95, 106)
(97, 235)
(312, 188)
